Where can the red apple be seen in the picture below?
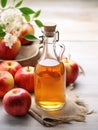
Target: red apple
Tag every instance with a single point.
(27, 29)
(17, 102)
(7, 53)
(24, 78)
(10, 66)
(72, 70)
(6, 82)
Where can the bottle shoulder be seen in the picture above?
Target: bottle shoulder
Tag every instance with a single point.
(49, 62)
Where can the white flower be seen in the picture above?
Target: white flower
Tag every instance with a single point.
(9, 40)
(11, 18)
(13, 21)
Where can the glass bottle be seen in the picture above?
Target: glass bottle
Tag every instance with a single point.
(49, 78)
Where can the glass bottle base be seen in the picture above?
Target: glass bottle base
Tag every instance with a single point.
(51, 106)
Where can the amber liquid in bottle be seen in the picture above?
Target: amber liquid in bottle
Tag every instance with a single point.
(49, 88)
(49, 75)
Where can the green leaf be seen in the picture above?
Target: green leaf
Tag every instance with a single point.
(30, 37)
(27, 17)
(19, 3)
(26, 10)
(1, 29)
(2, 35)
(3, 3)
(36, 14)
(39, 23)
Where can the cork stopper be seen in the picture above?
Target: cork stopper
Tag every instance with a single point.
(49, 29)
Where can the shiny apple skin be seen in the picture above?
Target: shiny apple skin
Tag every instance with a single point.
(17, 102)
(27, 29)
(72, 70)
(7, 53)
(24, 78)
(6, 82)
(11, 66)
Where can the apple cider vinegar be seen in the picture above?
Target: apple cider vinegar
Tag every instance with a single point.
(50, 85)
(49, 75)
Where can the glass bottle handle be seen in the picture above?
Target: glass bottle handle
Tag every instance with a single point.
(57, 36)
(62, 46)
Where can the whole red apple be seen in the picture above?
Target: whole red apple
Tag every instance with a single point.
(11, 66)
(6, 82)
(24, 78)
(27, 29)
(72, 70)
(7, 53)
(17, 102)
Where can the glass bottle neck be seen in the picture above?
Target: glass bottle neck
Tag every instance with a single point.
(49, 51)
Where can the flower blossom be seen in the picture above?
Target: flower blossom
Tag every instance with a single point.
(13, 21)
(9, 40)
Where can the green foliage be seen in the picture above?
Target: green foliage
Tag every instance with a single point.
(30, 37)
(29, 14)
(27, 17)
(2, 33)
(19, 3)
(3, 3)
(36, 14)
(39, 23)
(26, 10)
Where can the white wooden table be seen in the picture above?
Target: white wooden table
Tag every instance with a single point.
(78, 25)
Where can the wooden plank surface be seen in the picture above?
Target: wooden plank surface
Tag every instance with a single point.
(86, 87)
(76, 19)
(78, 25)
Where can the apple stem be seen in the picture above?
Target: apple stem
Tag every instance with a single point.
(67, 60)
(81, 70)
(28, 68)
(9, 63)
(15, 91)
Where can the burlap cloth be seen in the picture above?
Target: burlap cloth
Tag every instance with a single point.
(74, 110)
